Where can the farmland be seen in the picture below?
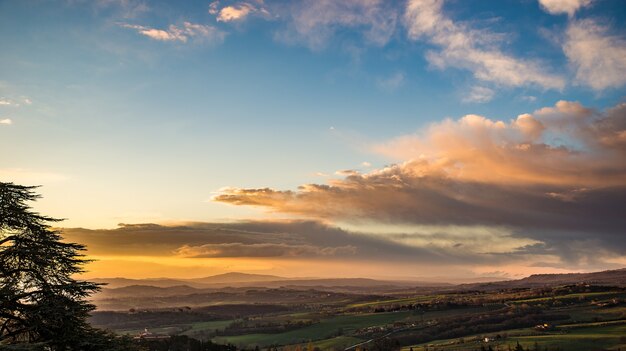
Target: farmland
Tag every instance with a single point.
(560, 317)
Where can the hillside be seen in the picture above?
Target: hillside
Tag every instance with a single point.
(615, 277)
(239, 280)
(235, 277)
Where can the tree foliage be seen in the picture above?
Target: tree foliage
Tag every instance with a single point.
(42, 305)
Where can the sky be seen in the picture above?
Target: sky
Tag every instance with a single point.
(388, 139)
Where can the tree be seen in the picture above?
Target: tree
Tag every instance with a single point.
(42, 307)
(385, 344)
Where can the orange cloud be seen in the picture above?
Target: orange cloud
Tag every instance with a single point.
(559, 169)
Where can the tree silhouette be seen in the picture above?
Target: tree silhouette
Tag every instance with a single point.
(42, 307)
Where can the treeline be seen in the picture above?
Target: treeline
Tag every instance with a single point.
(181, 343)
(247, 327)
(433, 306)
(519, 347)
(139, 320)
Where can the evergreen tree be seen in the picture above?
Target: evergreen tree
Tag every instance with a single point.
(42, 307)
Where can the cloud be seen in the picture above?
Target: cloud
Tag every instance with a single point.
(479, 94)
(6, 121)
(238, 11)
(188, 30)
(463, 47)
(314, 22)
(290, 239)
(557, 172)
(311, 241)
(127, 8)
(14, 102)
(234, 13)
(214, 8)
(569, 7)
(598, 57)
(261, 250)
(347, 172)
(391, 83)
(292, 247)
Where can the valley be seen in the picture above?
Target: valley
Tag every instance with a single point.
(547, 312)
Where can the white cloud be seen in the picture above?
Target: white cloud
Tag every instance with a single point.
(14, 102)
(569, 7)
(479, 94)
(6, 121)
(234, 13)
(182, 34)
(8, 102)
(462, 47)
(213, 7)
(347, 172)
(599, 58)
(238, 11)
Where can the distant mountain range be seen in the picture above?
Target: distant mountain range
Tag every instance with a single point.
(615, 277)
(604, 277)
(236, 279)
(233, 278)
(239, 280)
(241, 288)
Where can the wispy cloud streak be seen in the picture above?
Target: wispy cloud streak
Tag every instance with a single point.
(462, 47)
(181, 33)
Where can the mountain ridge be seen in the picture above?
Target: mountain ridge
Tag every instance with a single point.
(239, 279)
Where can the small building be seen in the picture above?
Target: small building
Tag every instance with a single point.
(147, 335)
(544, 327)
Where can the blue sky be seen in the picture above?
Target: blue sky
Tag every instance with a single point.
(141, 111)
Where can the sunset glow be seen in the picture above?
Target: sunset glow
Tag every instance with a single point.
(423, 139)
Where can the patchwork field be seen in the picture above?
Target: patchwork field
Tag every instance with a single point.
(324, 330)
(558, 318)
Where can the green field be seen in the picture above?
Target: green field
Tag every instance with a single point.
(402, 301)
(579, 317)
(340, 342)
(193, 329)
(167, 330)
(198, 328)
(587, 337)
(580, 339)
(325, 329)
